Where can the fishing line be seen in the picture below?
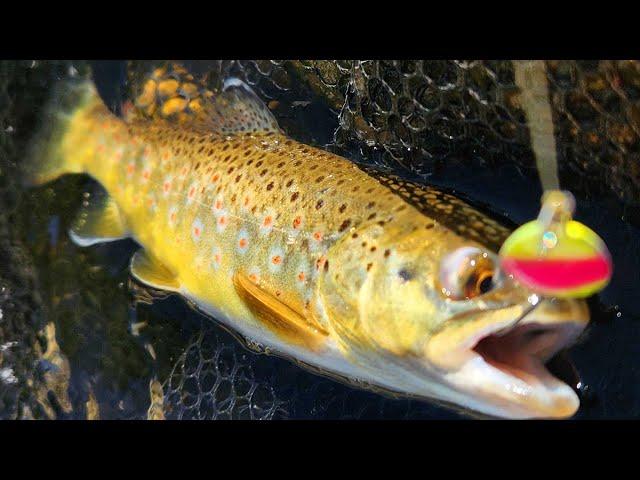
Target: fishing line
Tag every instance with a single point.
(531, 77)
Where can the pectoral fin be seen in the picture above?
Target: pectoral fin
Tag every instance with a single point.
(152, 272)
(277, 316)
(99, 221)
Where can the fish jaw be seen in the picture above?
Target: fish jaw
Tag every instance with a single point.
(498, 361)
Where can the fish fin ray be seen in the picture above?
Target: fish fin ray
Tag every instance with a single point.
(152, 272)
(46, 159)
(237, 109)
(277, 316)
(173, 94)
(100, 220)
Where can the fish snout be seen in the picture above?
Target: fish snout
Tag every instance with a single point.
(499, 359)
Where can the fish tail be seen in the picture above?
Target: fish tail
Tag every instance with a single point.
(51, 153)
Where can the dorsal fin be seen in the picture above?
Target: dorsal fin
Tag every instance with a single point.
(173, 94)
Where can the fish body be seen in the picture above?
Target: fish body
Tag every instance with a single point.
(304, 253)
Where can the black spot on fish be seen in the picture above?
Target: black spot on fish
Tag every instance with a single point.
(405, 274)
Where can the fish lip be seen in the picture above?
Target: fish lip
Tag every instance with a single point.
(515, 384)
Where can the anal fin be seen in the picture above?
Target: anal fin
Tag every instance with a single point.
(152, 272)
(277, 316)
(99, 221)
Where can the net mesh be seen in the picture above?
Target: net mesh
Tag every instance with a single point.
(418, 115)
(413, 118)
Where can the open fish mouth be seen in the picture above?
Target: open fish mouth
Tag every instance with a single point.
(502, 365)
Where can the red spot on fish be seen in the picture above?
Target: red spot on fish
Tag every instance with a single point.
(297, 222)
(192, 192)
(222, 221)
(276, 259)
(217, 258)
(242, 242)
(146, 174)
(317, 236)
(130, 168)
(268, 221)
(301, 276)
(166, 186)
(196, 231)
(218, 205)
(215, 177)
(253, 277)
(320, 262)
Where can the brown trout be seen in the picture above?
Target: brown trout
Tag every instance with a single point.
(305, 254)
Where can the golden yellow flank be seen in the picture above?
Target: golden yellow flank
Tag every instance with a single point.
(210, 207)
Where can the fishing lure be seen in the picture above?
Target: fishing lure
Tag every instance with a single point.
(555, 255)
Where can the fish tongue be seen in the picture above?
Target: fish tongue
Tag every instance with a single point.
(561, 367)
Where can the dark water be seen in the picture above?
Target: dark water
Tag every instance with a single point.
(117, 337)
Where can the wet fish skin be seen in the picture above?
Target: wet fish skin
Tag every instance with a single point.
(292, 246)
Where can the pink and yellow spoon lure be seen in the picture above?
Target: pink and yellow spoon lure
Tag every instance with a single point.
(555, 255)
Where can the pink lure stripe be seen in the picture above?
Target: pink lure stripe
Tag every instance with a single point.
(559, 273)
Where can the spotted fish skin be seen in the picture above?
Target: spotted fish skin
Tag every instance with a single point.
(295, 248)
(210, 205)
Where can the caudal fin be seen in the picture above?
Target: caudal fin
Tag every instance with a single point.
(45, 160)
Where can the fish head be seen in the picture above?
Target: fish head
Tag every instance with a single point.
(429, 313)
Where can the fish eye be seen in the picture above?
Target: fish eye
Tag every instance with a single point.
(467, 272)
